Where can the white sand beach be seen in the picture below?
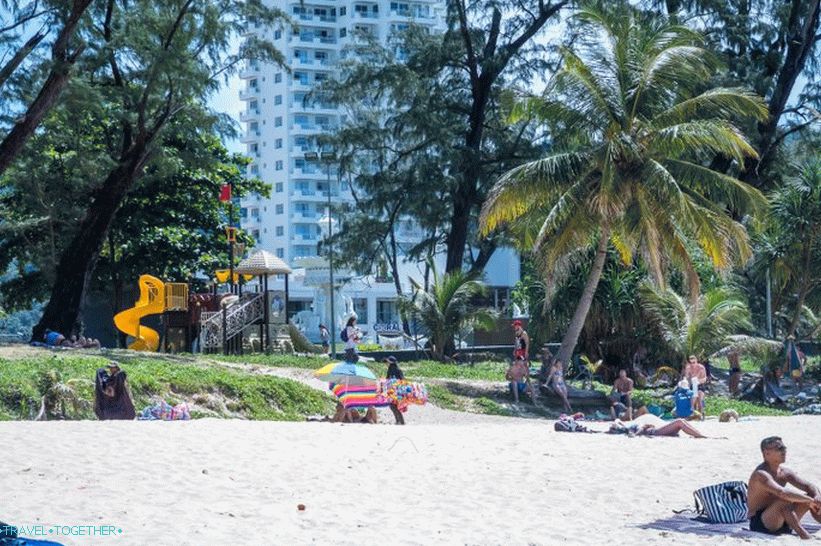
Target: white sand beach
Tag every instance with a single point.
(439, 480)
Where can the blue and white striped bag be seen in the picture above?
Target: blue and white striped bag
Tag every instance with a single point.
(723, 502)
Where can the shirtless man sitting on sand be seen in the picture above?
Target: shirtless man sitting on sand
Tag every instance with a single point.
(772, 508)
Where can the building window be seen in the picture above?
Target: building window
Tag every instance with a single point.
(277, 34)
(278, 77)
(279, 209)
(278, 99)
(360, 307)
(279, 187)
(280, 253)
(278, 121)
(343, 11)
(386, 312)
(254, 213)
(278, 143)
(343, 31)
(243, 212)
(280, 231)
(278, 165)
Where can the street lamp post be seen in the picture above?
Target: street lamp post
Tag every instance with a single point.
(328, 158)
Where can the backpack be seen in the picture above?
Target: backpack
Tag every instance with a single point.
(723, 502)
(343, 335)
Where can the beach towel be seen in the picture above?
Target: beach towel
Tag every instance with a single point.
(701, 527)
(163, 411)
(723, 502)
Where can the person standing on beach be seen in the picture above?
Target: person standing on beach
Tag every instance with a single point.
(352, 335)
(521, 342)
(773, 509)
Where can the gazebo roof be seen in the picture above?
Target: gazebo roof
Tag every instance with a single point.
(262, 262)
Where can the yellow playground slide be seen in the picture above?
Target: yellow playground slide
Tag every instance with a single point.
(151, 302)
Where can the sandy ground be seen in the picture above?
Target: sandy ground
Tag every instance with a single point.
(442, 479)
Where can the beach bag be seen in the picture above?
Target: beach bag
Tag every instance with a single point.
(343, 335)
(723, 502)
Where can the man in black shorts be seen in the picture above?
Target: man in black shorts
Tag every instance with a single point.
(772, 508)
(622, 396)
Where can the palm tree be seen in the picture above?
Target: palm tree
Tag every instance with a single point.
(701, 327)
(791, 247)
(636, 132)
(446, 308)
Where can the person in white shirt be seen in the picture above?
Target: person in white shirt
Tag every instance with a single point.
(353, 336)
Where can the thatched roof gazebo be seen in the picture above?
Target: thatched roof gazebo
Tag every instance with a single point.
(263, 264)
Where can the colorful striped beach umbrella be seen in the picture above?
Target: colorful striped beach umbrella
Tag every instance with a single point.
(346, 373)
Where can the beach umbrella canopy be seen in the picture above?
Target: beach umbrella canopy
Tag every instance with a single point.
(346, 373)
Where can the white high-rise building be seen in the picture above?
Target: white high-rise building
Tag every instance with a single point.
(281, 126)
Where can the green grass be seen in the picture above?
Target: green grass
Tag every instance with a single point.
(491, 407)
(444, 398)
(221, 392)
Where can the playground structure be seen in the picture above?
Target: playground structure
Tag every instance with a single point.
(156, 297)
(227, 322)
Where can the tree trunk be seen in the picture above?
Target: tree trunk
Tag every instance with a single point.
(800, 40)
(571, 337)
(805, 285)
(49, 93)
(79, 258)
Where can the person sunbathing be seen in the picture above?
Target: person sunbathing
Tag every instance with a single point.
(774, 510)
(651, 425)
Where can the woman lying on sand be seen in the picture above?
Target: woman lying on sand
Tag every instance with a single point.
(650, 425)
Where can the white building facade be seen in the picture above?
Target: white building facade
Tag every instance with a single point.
(281, 126)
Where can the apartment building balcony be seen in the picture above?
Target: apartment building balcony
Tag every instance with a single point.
(249, 29)
(249, 93)
(310, 106)
(304, 237)
(310, 129)
(249, 71)
(302, 217)
(310, 196)
(367, 15)
(249, 115)
(317, 39)
(317, 18)
(249, 136)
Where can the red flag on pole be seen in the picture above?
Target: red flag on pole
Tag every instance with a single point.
(225, 192)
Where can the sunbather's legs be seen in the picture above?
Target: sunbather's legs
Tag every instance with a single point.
(781, 512)
(673, 428)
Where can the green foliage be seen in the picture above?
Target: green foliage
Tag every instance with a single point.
(701, 327)
(446, 308)
(634, 122)
(253, 396)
